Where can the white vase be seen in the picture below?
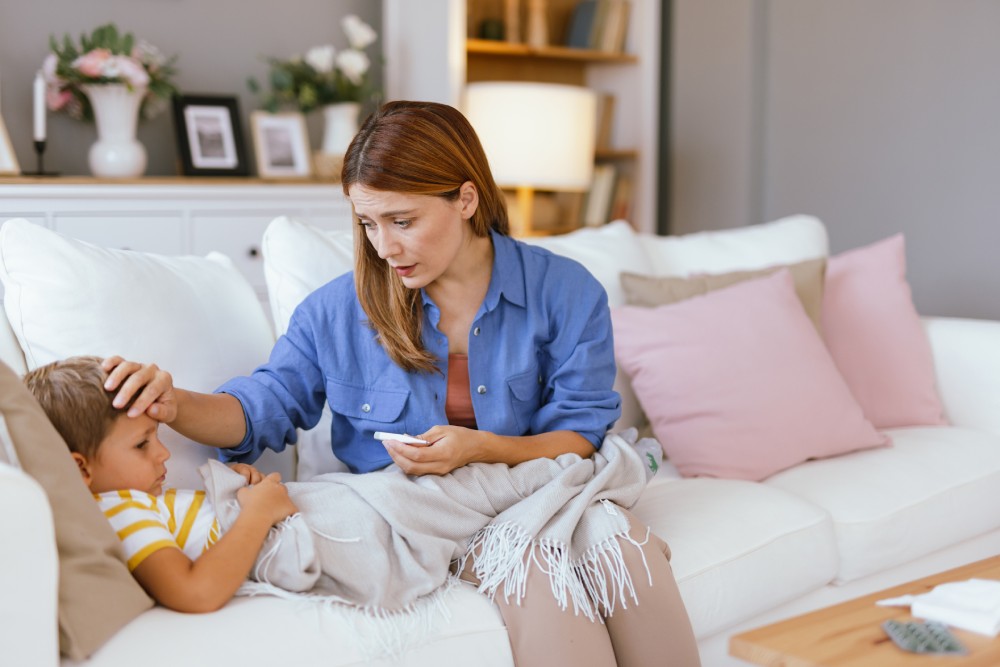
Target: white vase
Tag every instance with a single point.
(116, 153)
(340, 126)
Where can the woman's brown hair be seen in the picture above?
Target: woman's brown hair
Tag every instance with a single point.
(415, 148)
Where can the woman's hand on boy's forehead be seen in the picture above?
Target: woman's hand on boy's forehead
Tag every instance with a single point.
(151, 388)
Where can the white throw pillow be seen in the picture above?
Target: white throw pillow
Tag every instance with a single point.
(298, 258)
(784, 241)
(605, 251)
(196, 317)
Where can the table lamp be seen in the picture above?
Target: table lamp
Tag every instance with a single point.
(537, 136)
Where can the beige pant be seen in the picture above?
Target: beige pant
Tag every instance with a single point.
(656, 631)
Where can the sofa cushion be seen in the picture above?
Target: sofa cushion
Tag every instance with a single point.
(739, 548)
(97, 594)
(652, 291)
(266, 630)
(785, 241)
(935, 487)
(298, 258)
(605, 251)
(875, 336)
(737, 383)
(196, 317)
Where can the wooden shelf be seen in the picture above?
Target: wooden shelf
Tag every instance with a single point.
(511, 50)
(615, 154)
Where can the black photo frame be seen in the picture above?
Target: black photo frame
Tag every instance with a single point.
(210, 135)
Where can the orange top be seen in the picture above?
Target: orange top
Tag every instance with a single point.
(458, 402)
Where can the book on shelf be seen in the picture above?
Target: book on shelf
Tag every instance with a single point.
(597, 207)
(600, 25)
(621, 200)
(605, 120)
(581, 23)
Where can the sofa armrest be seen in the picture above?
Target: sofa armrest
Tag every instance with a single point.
(29, 573)
(967, 363)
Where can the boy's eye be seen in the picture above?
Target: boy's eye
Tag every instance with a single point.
(142, 445)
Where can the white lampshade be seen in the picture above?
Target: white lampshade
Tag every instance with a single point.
(537, 135)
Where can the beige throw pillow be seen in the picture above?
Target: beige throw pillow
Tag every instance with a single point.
(97, 594)
(651, 291)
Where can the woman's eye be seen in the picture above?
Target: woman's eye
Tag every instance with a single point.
(402, 223)
(367, 225)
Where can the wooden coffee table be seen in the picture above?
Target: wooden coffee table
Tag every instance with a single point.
(850, 633)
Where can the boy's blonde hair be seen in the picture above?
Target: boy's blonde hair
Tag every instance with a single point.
(72, 394)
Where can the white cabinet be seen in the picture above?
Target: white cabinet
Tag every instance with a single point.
(174, 216)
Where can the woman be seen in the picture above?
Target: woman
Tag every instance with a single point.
(490, 349)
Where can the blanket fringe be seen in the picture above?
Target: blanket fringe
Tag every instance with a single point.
(379, 633)
(595, 584)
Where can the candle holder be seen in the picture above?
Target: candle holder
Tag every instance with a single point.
(40, 159)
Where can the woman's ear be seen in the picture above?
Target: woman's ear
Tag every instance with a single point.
(83, 467)
(468, 197)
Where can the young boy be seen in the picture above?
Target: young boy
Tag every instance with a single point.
(380, 541)
(171, 538)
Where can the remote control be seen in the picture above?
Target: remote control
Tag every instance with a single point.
(406, 439)
(929, 637)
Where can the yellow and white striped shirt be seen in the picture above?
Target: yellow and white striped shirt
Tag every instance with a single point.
(182, 519)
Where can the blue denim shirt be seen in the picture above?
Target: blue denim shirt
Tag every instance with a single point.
(541, 358)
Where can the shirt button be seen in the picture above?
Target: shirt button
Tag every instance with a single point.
(366, 408)
(475, 332)
(481, 389)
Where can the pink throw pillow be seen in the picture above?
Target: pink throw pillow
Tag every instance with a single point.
(737, 383)
(875, 336)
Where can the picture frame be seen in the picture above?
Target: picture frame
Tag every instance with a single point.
(210, 135)
(281, 145)
(8, 158)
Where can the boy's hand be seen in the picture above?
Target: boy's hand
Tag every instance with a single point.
(267, 499)
(251, 474)
(152, 387)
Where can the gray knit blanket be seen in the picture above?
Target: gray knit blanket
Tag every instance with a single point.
(382, 541)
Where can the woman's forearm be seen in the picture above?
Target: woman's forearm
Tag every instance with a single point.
(211, 419)
(512, 450)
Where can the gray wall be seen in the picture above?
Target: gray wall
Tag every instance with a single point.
(878, 116)
(219, 42)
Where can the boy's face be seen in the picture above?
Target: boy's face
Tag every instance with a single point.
(131, 456)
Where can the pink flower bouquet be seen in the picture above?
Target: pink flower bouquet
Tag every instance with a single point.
(106, 57)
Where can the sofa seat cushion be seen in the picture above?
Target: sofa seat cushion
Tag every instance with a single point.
(935, 487)
(738, 548)
(271, 631)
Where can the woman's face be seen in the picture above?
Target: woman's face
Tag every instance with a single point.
(420, 236)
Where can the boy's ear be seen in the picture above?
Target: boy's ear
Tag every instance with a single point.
(83, 466)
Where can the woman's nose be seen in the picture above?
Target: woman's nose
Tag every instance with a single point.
(387, 245)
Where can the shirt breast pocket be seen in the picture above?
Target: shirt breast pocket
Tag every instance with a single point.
(525, 395)
(368, 408)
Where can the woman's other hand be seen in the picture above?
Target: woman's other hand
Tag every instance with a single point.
(152, 387)
(451, 447)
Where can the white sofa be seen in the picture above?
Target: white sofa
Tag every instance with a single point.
(744, 553)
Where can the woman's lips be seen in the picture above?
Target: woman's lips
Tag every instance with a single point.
(403, 271)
